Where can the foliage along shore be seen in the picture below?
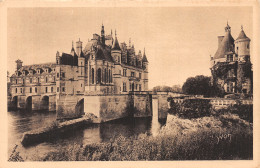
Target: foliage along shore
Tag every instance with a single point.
(216, 137)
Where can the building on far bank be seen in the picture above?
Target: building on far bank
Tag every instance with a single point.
(231, 66)
(102, 67)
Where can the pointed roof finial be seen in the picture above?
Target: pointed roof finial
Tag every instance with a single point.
(241, 27)
(115, 32)
(111, 32)
(144, 50)
(72, 43)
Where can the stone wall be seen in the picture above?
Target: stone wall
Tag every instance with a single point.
(142, 105)
(67, 107)
(107, 108)
(163, 106)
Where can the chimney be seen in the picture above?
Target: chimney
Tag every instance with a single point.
(220, 38)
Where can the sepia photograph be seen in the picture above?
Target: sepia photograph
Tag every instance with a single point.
(130, 83)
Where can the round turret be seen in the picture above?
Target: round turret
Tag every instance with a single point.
(242, 46)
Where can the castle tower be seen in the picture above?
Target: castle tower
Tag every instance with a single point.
(116, 51)
(244, 72)
(81, 73)
(19, 64)
(145, 67)
(78, 47)
(242, 46)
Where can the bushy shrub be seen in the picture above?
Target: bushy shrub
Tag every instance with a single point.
(191, 108)
(244, 111)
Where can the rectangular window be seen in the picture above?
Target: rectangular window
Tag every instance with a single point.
(124, 87)
(63, 74)
(15, 90)
(140, 75)
(140, 87)
(46, 90)
(21, 90)
(132, 74)
(51, 89)
(63, 89)
(30, 90)
(58, 89)
(58, 75)
(35, 90)
(124, 72)
(54, 79)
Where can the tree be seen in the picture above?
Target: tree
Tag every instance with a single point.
(198, 85)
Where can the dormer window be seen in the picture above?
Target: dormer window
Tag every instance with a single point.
(38, 71)
(46, 70)
(23, 72)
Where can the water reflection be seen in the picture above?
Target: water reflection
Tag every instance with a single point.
(20, 122)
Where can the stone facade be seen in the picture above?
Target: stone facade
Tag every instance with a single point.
(231, 66)
(103, 71)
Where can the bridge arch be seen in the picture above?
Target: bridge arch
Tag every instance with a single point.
(28, 103)
(45, 103)
(15, 102)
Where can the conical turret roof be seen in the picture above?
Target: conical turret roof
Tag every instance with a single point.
(226, 45)
(242, 35)
(144, 57)
(116, 45)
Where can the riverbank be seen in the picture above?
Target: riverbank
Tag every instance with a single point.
(223, 137)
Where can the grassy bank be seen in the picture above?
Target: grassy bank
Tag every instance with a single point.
(224, 137)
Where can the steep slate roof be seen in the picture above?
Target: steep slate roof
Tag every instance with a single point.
(116, 45)
(225, 46)
(144, 59)
(36, 66)
(103, 53)
(242, 35)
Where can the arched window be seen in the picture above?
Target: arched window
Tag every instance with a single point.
(99, 75)
(51, 89)
(38, 80)
(105, 76)
(109, 76)
(93, 73)
(46, 79)
(46, 89)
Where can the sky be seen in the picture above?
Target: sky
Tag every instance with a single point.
(178, 41)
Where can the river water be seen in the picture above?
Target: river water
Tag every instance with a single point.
(22, 121)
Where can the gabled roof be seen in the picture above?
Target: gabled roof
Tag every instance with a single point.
(226, 45)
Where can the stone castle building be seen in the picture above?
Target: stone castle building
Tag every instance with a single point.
(102, 67)
(231, 66)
